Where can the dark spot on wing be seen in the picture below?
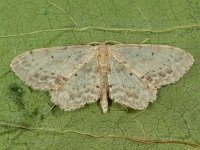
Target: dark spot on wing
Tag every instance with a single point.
(169, 71)
(71, 95)
(64, 78)
(60, 79)
(109, 70)
(89, 69)
(97, 86)
(23, 61)
(131, 74)
(75, 74)
(52, 56)
(149, 78)
(96, 70)
(57, 80)
(152, 53)
(162, 74)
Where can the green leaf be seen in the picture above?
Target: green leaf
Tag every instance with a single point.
(171, 122)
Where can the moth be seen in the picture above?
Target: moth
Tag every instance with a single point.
(129, 74)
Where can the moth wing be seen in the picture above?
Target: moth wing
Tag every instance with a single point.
(82, 88)
(47, 68)
(69, 73)
(127, 89)
(155, 64)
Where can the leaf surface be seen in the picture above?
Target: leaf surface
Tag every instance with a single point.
(171, 122)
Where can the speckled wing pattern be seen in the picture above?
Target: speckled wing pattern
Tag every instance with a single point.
(128, 89)
(82, 88)
(69, 73)
(129, 74)
(137, 70)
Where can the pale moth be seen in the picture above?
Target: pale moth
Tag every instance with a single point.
(129, 74)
